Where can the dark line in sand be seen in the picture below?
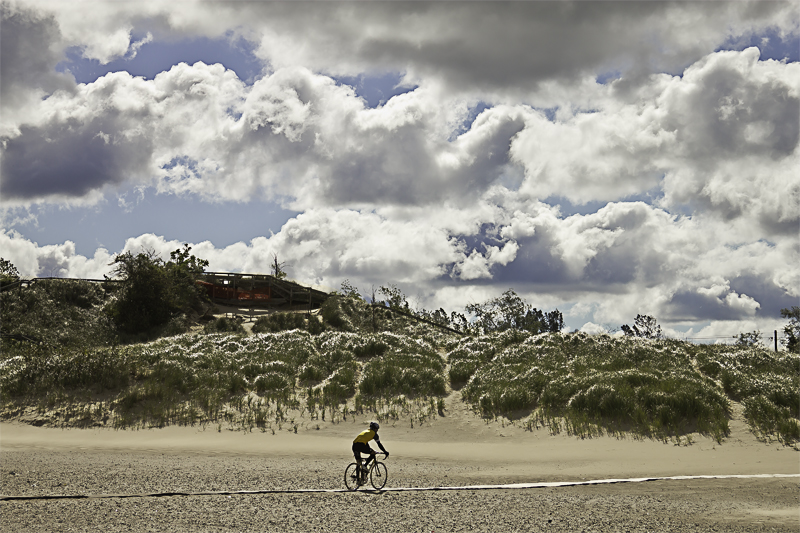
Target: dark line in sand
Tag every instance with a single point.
(512, 486)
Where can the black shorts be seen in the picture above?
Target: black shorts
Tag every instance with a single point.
(361, 447)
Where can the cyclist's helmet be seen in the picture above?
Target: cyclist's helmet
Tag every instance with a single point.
(374, 426)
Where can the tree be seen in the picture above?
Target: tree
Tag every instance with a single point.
(143, 301)
(459, 322)
(185, 263)
(277, 267)
(504, 312)
(752, 338)
(534, 321)
(8, 272)
(183, 269)
(349, 290)
(394, 297)
(792, 329)
(555, 321)
(154, 291)
(644, 326)
(509, 311)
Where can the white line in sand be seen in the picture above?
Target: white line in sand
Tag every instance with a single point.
(510, 486)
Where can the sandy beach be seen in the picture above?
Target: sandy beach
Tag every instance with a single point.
(149, 480)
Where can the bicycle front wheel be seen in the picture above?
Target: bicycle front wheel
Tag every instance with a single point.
(378, 476)
(351, 476)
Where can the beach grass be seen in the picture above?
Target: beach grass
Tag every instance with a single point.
(361, 359)
(657, 388)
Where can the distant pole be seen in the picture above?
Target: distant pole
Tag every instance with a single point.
(775, 336)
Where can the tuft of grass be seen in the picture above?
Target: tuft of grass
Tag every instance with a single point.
(224, 325)
(277, 322)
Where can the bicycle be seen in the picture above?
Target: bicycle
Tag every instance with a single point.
(377, 472)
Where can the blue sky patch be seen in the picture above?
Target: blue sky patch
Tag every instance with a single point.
(184, 218)
(376, 89)
(771, 44)
(159, 56)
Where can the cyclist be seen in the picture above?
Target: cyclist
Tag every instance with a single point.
(361, 445)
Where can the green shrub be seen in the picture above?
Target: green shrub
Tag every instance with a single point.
(58, 312)
(336, 312)
(224, 325)
(647, 386)
(276, 322)
(768, 418)
(403, 373)
(152, 291)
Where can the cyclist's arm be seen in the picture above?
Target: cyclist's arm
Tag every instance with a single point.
(378, 442)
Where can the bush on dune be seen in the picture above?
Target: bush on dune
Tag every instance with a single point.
(59, 313)
(595, 383)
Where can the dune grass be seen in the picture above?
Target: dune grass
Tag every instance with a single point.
(601, 384)
(366, 360)
(237, 379)
(767, 384)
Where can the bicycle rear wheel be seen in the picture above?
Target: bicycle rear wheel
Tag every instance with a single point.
(378, 476)
(351, 477)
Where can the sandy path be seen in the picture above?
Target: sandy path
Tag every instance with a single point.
(458, 449)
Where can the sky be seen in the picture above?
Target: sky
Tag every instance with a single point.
(608, 159)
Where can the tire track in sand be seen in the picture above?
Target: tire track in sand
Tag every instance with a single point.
(510, 486)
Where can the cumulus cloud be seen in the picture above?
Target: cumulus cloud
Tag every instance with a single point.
(722, 139)
(31, 48)
(689, 156)
(59, 260)
(198, 129)
(607, 264)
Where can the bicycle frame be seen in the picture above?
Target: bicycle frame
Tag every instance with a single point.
(355, 476)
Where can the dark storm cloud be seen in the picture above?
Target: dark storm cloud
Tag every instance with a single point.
(398, 165)
(69, 159)
(535, 264)
(690, 305)
(29, 52)
(504, 46)
(770, 295)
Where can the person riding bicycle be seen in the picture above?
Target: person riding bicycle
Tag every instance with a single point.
(361, 445)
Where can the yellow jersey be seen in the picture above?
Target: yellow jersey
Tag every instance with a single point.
(367, 435)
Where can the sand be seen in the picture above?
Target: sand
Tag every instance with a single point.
(123, 471)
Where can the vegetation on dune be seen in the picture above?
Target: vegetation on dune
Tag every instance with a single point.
(653, 387)
(766, 383)
(153, 292)
(380, 358)
(792, 329)
(244, 380)
(595, 383)
(65, 313)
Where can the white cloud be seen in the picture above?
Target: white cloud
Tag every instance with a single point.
(60, 260)
(593, 329)
(694, 152)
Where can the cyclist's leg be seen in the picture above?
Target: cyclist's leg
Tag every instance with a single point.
(357, 456)
(371, 453)
(358, 449)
